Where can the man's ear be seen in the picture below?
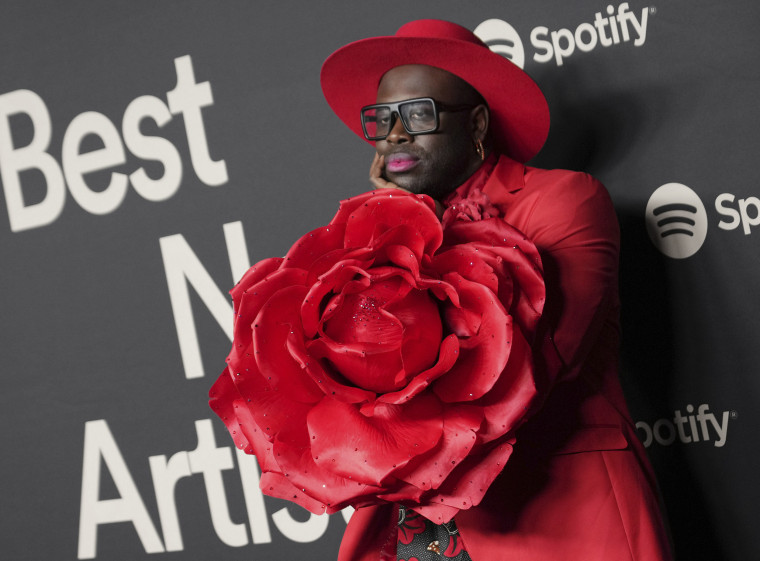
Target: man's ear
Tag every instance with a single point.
(479, 119)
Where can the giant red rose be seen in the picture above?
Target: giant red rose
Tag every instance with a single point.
(383, 360)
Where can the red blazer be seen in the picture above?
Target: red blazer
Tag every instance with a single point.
(578, 485)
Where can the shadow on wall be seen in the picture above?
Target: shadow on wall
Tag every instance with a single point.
(592, 133)
(647, 366)
(592, 126)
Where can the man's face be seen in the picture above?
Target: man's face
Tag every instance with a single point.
(436, 163)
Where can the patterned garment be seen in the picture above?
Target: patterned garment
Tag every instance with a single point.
(421, 540)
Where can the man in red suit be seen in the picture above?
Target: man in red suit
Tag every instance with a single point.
(453, 120)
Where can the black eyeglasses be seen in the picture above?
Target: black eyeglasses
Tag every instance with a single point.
(419, 116)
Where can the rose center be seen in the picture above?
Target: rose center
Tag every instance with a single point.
(385, 335)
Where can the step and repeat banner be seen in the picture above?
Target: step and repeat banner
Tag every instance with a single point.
(151, 151)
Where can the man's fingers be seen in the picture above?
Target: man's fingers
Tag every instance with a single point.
(376, 168)
(376, 174)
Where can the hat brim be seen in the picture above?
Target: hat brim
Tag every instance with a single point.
(518, 110)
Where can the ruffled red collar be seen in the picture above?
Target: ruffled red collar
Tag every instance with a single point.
(468, 202)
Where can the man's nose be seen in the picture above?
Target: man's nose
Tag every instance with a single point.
(398, 134)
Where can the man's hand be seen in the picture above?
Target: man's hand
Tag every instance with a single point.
(377, 179)
(376, 174)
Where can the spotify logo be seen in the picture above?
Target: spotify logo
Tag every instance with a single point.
(616, 25)
(676, 220)
(502, 39)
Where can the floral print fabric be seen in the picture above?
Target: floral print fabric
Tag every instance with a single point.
(419, 539)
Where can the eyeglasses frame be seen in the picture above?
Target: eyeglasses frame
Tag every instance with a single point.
(438, 107)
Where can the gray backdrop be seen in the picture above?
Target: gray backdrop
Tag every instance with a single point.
(149, 151)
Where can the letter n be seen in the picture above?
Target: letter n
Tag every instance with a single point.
(129, 507)
(183, 267)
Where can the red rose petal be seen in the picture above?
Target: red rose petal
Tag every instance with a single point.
(404, 257)
(349, 205)
(437, 513)
(362, 318)
(400, 247)
(248, 303)
(460, 426)
(469, 262)
(313, 246)
(463, 322)
(440, 289)
(482, 356)
(521, 286)
(421, 320)
(468, 483)
(518, 259)
(324, 376)
(382, 337)
(363, 365)
(331, 282)
(222, 399)
(333, 490)
(404, 278)
(396, 491)
(323, 441)
(386, 210)
(255, 274)
(275, 414)
(360, 339)
(512, 395)
(371, 444)
(278, 321)
(447, 356)
(259, 442)
(277, 485)
(495, 233)
(360, 257)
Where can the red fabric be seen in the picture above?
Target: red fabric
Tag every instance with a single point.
(342, 379)
(578, 485)
(519, 115)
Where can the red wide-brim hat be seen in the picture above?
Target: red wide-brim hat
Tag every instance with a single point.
(519, 113)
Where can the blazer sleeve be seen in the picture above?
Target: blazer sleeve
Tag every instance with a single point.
(573, 223)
